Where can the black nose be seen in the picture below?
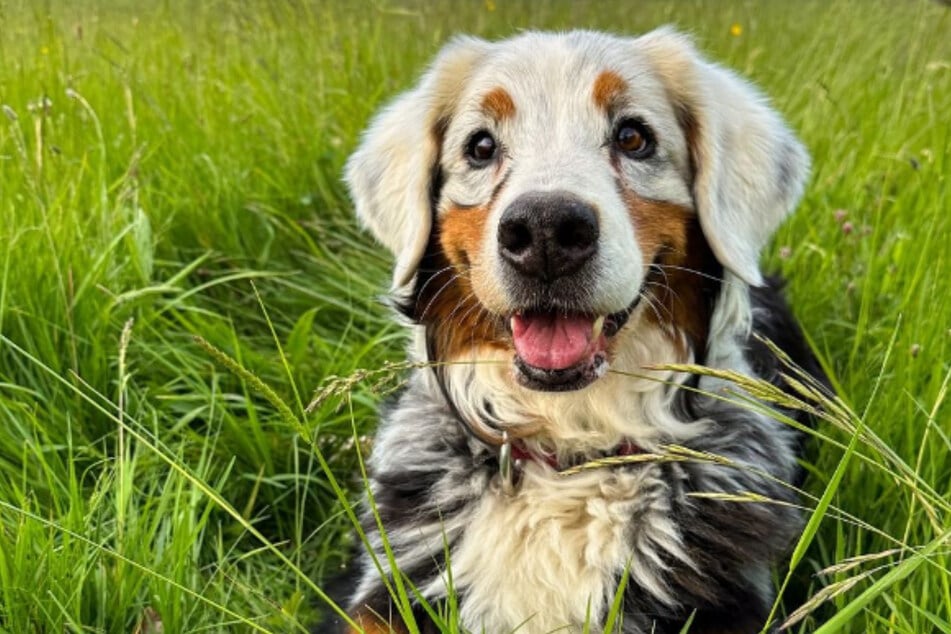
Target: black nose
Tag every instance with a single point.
(548, 235)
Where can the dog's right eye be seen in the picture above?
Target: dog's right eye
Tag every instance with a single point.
(481, 148)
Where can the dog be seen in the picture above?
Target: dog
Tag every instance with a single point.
(568, 212)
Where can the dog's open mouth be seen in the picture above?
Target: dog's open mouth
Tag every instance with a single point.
(558, 351)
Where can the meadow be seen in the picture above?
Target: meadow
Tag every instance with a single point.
(192, 337)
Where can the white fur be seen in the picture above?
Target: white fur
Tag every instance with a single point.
(550, 556)
(630, 401)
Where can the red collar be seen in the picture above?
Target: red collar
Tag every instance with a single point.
(521, 454)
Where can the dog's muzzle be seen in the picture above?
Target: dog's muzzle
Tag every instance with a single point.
(547, 242)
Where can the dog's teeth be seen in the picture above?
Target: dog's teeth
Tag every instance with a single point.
(598, 327)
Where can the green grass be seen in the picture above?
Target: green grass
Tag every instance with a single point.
(183, 179)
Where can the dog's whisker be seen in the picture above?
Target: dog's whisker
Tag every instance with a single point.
(432, 276)
(697, 272)
(651, 303)
(463, 303)
(667, 290)
(659, 268)
(433, 299)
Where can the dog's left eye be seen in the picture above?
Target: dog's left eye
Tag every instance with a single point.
(481, 148)
(634, 138)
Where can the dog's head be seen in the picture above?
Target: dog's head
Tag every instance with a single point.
(545, 193)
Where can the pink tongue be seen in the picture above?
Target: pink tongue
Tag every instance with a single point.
(550, 341)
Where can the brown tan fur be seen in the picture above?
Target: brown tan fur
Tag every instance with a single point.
(498, 104)
(671, 236)
(608, 88)
(447, 303)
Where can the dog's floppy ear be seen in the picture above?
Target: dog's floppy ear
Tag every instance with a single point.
(390, 174)
(749, 168)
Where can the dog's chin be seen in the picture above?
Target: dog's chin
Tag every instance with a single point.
(576, 377)
(574, 359)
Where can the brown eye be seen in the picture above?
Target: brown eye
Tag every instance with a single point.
(481, 148)
(634, 139)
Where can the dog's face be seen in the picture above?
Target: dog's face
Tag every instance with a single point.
(545, 193)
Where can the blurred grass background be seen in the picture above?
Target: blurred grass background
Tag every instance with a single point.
(171, 169)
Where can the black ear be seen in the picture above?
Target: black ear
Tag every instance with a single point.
(749, 168)
(389, 173)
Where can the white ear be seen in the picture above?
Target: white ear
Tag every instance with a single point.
(390, 174)
(749, 168)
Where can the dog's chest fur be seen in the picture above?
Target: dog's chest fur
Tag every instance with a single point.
(551, 555)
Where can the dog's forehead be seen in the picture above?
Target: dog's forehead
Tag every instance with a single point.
(552, 100)
(566, 69)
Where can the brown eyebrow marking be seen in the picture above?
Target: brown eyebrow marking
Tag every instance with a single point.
(608, 88)
(498, 104)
